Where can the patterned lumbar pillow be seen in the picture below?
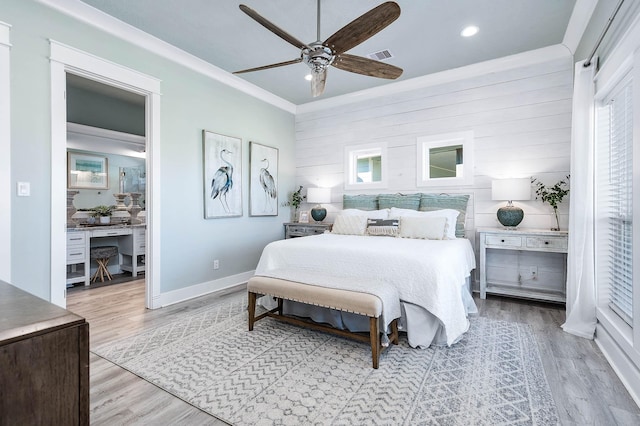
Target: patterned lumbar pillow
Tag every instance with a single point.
(381, 227)
(426, 228)
(349, 225)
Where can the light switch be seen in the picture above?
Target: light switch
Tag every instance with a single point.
(24, 189)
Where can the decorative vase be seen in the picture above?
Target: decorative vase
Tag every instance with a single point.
(134, 207)
(71, 209)
(120, 213)
(555, 213)
(104, 220)
(294, 215)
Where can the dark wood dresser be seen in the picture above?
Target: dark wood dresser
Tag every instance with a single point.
(44, 362)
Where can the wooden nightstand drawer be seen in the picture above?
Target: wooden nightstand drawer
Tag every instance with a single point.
(299, 229)
(292, 230)
(503, 241)
(547, 242)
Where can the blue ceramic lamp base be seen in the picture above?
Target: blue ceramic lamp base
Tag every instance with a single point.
(510, 216)
(318, 213)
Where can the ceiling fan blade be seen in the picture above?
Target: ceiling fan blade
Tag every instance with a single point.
(365, 66)
(318, 80)
(266, 67)
(363, 27)
(273, 28)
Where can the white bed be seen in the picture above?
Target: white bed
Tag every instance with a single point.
(431, 277)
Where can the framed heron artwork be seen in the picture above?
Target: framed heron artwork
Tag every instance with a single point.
(263, 180)
(222, 175)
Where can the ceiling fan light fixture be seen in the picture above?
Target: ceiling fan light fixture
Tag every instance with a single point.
(317, 57)
(469, 31)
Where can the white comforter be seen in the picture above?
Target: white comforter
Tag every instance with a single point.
(427, 273)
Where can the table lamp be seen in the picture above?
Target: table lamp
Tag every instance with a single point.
(509, 190)
(319, 196)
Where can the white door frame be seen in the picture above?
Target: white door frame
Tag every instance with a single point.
(66, 59)
(5, 153)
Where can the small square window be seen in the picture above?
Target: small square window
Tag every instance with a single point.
(445, 160)
(365, 166)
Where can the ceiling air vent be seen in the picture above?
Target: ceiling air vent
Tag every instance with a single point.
(381, 55)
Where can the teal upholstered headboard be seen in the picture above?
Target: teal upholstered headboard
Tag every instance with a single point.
(419, 201)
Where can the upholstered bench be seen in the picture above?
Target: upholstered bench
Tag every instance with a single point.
(342, 300)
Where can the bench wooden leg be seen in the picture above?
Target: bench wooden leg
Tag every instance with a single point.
(374, 335)
(394, 331)
(252, 310)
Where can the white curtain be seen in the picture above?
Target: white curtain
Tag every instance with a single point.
(581, 291)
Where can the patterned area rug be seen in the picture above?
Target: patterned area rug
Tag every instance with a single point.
(282, 374)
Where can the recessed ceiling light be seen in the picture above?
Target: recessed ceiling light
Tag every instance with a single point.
(469, 31)
(308, 77)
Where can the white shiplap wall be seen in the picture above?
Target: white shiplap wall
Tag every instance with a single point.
(520, 115)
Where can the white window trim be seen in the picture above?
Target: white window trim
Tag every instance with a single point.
(350, 155)
(425, 143)
(620, 343)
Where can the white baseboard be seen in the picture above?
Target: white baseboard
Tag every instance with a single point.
(222, 286)
(623, 366)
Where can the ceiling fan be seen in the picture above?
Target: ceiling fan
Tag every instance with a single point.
(320, 55)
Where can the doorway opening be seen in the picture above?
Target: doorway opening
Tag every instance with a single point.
(105, 124)
(85, 69)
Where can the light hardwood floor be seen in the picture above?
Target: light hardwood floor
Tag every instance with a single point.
(585, 388)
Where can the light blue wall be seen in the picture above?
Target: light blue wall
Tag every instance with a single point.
(190, 102)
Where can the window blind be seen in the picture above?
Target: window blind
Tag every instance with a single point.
(614, 200)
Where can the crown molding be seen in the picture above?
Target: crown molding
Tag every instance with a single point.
(89, 138)
(578, 22)
(519, 60)
(108, 24)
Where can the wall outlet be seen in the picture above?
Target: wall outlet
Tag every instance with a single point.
(534, 272)
(216, 264)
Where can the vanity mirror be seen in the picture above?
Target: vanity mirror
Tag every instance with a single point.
(123, 174)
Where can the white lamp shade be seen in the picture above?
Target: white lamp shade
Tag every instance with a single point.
(511, 189)
(319, 195)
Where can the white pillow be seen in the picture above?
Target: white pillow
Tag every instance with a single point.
(396, 213)
(450, 214)
(425, 228)
(349, 225)
(371, 214)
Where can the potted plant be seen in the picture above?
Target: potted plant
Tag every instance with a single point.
(295, 199)
(552, 195)
(103, 213)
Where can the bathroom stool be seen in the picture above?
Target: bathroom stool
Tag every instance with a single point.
(101, 255)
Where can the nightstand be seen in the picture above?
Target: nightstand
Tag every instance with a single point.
(527, 263)
(293, 230)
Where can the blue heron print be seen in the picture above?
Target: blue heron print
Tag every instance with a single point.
(222, 181)
(268, 185)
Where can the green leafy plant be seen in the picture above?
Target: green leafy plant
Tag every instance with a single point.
(101, 211)
(552, 195)
(295, 199)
